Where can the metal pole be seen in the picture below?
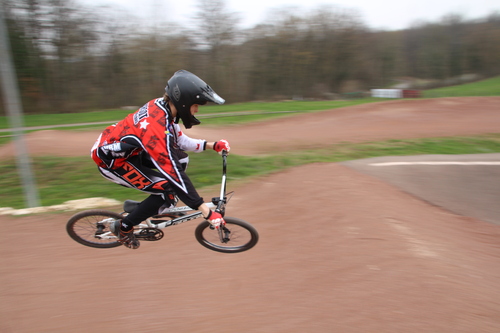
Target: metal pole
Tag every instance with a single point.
(14, 110)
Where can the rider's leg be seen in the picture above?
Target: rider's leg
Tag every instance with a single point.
(144, 210)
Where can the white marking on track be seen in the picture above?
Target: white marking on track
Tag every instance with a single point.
(433, 163)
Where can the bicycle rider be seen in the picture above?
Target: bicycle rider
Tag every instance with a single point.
(146, 151)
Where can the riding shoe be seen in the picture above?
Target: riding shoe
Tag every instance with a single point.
(127, 238)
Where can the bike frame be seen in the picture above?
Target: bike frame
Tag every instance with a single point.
(148, 223)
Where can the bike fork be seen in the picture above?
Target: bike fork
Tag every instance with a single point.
(224, 234)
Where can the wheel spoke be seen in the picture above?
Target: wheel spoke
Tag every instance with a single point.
(91, 228)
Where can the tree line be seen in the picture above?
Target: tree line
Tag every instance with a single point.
(70, 58)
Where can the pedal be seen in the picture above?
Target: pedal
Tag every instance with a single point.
(100, 230)
(150, 234)
(171, 215)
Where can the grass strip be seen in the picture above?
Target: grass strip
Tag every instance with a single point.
(260, 109)
(488, 87)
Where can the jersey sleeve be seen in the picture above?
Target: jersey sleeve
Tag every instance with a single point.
(189, 144)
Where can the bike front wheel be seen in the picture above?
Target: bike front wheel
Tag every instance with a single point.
(91, 228)
(236, 236)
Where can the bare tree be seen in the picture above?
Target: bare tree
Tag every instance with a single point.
(215, 35)
(70, 57)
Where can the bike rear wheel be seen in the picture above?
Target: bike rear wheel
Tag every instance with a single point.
(91, 228)
(237, 236)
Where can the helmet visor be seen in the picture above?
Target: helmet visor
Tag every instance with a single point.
(209, 95)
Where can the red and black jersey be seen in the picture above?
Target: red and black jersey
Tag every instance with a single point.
(149, 130)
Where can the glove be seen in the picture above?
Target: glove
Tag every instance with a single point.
(221, 145)
(215, 219)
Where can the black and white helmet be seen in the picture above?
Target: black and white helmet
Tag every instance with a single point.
(185, 89)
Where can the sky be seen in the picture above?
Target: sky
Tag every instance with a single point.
(377, 14)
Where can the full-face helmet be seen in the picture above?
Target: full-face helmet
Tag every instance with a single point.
(185, 89)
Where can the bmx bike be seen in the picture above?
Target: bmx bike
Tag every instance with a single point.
(91, 227)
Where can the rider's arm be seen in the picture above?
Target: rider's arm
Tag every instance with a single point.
(187, 143)
(204, 210)
(217, 145)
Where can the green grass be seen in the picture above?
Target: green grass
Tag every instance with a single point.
(68, 118)
(256, 109)
(62, 179)
(489, 87)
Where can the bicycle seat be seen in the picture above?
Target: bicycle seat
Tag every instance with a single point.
(130, 205)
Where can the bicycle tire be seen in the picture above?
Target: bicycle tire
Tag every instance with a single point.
(83, 228)
(243, 236)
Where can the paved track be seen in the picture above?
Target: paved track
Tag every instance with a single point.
(467, 185)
